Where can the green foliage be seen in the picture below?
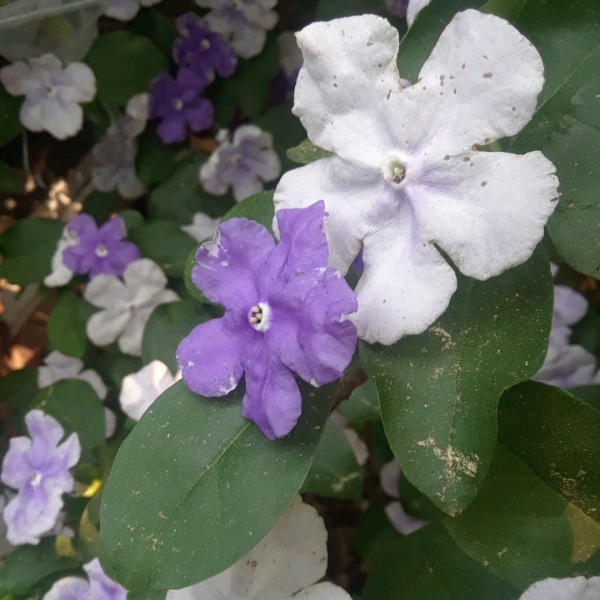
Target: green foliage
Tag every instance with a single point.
(132, 219)
(100, 205)
(10, 125)
(19, 387)
(439, 391)
(334, 9)
(306, 152)
(9, 179)
(118, 78)
(154, 161)
(66, 331)
(156, 26)
(27, 249)
(363, 404)
(195, 486)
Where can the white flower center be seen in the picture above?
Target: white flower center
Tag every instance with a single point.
(50, 90)
(258, 316)
(393, 168)
(177, 104)
(36, 479)
(101, 251)
(205, 44)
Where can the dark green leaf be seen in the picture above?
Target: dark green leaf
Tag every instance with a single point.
(148, 595)
(119, 78)
(100, 205)
(75, 405)
(132, 219)
(334, 9)
(66, 331)
(167, 326)
(195, 486)
(589, 394)
(334, 472)
(9, 179)
(27, 249)
(373, 532)
(154, 25)
(363, 404)
(306, 152)
(439, 391)
(19, 388)
(10, 125)
(154, 161)
(115, 365)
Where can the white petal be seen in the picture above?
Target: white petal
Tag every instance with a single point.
(130, 341)
(123, 10)
(137, 107)
(202, 227)
(245, 186)
(106, 326)
(82, 83)
(106, 291)
(16, 78)
(59, 276)
(248, 41)
(569, 306)
(486, 210)
(323, 591)
(144, 279)
(96, 382)
(347, 90)
(577, 588)
(414, 8)
(62, 119)
(571, 366)
(389, 477)
(130, 186)
(402, 523)
(46, 63)
(359, 448)
(110, 423)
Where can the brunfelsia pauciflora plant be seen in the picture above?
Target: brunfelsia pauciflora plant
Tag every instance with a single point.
(298, 273)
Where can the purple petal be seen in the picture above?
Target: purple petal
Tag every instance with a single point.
(272, 398)
(102, 587)
(16, 470)
(45, 431)
(210, 356)
(201, 116)
(113, 230)
(228, 263)
(83, 226)
(119, 256)
(68, 588)
(172, 130)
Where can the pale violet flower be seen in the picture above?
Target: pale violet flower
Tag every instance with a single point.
(413, 9)
(97, 587)
(126, 304)
(243, 161)
(39, 469)
(61, 274)
(285, 565)
(202, 227)
(139, 390)
(137, 109)
(576, 588)
(243, 23)
(408, 176)
(125, 10)
(397, 7)
(52, 94)
(57, 367)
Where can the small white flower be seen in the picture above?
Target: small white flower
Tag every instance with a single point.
(127, 304)
(414, 8)
(576, 588)
(285, 564)
(202, 227)
(52, 94)
(125, 10)
(244, 23)
(61, 275)
(408, 176)
(137, 109)
(243, 161)
(139, 390)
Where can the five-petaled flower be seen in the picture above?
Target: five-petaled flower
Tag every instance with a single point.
(285, 311)
(126, 304)
(410, 177)
(52, 94)
(39, 469)
(244, 161)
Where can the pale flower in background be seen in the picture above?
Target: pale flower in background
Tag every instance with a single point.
(284, 565)
(397, 7)
(359, 448)
(139, 390)
(61, 274)
(126, 304)
(408, 176)
(414, 8)
(137, 109)
(125, 10)
(52, 94)
(576, 588)
(243, 161)
(202, 227)
(290, 55)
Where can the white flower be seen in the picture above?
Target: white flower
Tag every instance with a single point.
(58, 367)
(125, 10)
(244, 162)
(408, 175)
(290, 56)
(61, 275)
(576, 588)
(359, 448)
(285, 565)
(202, 227)
(52, 94)
(414, 8)
(127, 304)
(139, 390)
(244, 23)
(137, 109)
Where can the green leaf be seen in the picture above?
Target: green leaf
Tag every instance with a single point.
(537, 514)
(439, 391)
(148, 595)
(154, 161)
(9, 179)
(27, 249)
(10, 124)
(100, 205)
(334, 472)
(66, 331)
(19, 387)
(167, 326)
(428, 564)
(334, 9)
(363, 404)
(195, 486)
(117, 78)
(165, 244)
(589, 394)
(156, 26)
(306, 152)
(75, 405)
(132, 219)
(27, 565)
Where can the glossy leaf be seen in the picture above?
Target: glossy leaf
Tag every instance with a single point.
(439, 391)
(66, 331)
(363, 404)
(306, 152)
(589, 394)
(195, 486)
(334, 472)
(156, 26)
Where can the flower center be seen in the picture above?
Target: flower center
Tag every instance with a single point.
(101, 251)
(258, 316)
(205, 44)
(177, 104)
(393, 168)
(36, 479)
(50, 91)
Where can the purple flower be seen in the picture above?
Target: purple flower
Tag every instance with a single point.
(285, 311)
(39, 469)
(201, 50)
(397, 7)
(99, 250)
(177, 102)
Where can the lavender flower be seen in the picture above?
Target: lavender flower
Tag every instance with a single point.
(243, 162)
(177, 103)
(202, 51)
(98, 586)
(99, 250)
(39, 469)
(285, 311)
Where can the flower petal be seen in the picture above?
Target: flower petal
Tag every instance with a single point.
(15, 466)
(106, 291)
(402, 522)
(62, 119)
(16, 78)
(576, 588)
(569, 306)
(82, 82)
(101, 586)
(104, 327)
(323, 591)
(144, 279)
(68, 588)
